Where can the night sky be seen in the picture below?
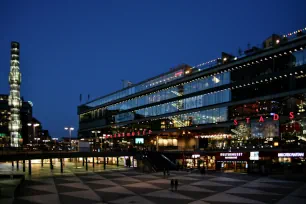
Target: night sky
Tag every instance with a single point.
(68, 48)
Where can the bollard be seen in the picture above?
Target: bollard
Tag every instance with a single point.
(51, 165)
(117, 161)
(61, 160)
(86, 164)
(23, 165)
(17, 164)
(12, 163)
(104, 163)
(42, 163)
(30, 168)
(93, 162)
(83, 161)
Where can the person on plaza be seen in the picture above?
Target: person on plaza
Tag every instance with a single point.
(164, 172)
(172, 184)
(175, 184)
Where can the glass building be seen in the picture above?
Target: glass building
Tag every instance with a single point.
(255, 99)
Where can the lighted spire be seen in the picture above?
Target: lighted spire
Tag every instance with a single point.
(14, 100)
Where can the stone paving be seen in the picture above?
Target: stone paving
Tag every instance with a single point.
(122, 185)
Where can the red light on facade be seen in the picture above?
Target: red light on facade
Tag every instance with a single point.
(235, 122)
(248, 120)
(178, 73)
(261, 119)
(291, 115)
(275, 117)
(133, 134)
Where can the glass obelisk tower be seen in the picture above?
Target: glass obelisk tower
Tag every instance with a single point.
(14, 100)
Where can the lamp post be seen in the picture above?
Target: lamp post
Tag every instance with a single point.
(34, 125)
(69, 129)
(96, 132)
(101, 143)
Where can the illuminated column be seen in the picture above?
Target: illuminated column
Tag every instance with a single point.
(14, 98)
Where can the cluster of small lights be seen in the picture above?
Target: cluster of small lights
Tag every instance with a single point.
(295, 32)
(213, 136)
(232, 69)
(205, 63)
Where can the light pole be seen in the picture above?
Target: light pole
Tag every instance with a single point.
(34, 125)
(96, 132)
(69, 129)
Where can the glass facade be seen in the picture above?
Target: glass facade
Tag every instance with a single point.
(141, 87)
(171, 107)
(198, 118)
(175, 91)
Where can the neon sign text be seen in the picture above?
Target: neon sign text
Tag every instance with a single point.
(297, 154)
(261, 118)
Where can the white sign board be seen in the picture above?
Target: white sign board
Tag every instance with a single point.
(254, 156)
(295, 154)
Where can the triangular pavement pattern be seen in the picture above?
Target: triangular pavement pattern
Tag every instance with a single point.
(162, 174)
(240, 190)
(75, 185)
(198, 202)
(227, 179)
(184, 178)
(148, 176)
(300, 191)
(46, 181)
(194, 189)
(168, 194)
(104, 182)
(142, 185)
(228, 198)
(73, 179)
(43, 199)
(276, 181)
(93, 176)
(201, 176)
(115, 174)
(263, 185)
(292, 200)
(132, 199)
(47, 188)
(163, 181)
(87, 194)
(116, 189)
(209, 183)
(126, 179)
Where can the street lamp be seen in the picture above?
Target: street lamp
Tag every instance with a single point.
(33, 125)
(69, 129)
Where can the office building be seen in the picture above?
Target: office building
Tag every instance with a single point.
(255, 99)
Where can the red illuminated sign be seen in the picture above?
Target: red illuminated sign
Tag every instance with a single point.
(261, 118)
(128, 134)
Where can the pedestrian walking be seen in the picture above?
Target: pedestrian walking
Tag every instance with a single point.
(175, 184)
(164, 172)
(172, 184)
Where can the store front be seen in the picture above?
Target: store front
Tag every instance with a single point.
(289, 162)
(232, 161)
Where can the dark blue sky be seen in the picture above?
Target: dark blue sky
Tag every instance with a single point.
(69, 48)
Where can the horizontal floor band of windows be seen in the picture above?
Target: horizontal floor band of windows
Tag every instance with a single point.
(227, 104)
(265, 77)
(219, 88)
(266, 53)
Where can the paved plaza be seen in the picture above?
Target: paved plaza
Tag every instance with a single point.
(122, 185)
